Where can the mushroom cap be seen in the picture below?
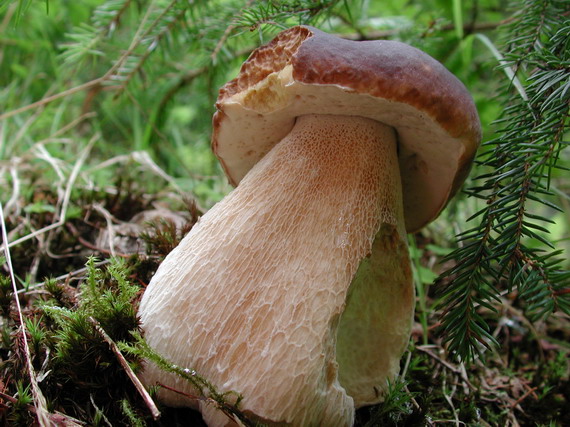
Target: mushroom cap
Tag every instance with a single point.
(306, 71)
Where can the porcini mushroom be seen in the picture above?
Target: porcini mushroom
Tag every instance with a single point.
(295, 290)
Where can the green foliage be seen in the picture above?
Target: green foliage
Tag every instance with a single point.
(20, 415)
(6, 293)
(395, 410)
(508, 248)
(57, 292)
(81, 370)
(284, 14)
(84, 39)
(108, 298)
(110, 301)
(135, 420)
(37, 335)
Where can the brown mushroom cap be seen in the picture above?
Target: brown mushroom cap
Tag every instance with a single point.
(306, 71)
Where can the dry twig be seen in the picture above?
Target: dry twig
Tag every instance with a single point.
(125, 365)
(40, 404)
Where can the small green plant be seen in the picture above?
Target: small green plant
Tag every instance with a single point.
(395, 410)
(81, 376)
(6, 293)
(37, 335)
(135, 420)
(20, 414)
(163, 235)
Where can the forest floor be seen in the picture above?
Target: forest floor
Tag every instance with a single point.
(525, 382)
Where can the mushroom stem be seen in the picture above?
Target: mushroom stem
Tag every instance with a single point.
(252, 298)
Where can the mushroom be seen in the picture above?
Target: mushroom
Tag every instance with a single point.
(296, 289)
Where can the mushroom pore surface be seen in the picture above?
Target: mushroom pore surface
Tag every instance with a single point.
(309, 247)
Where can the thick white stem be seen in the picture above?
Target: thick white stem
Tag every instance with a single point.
(252, 298)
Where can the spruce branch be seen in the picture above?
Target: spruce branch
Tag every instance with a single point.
(510, 246)
(86, 39)
(157, 24)
(281, 14)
